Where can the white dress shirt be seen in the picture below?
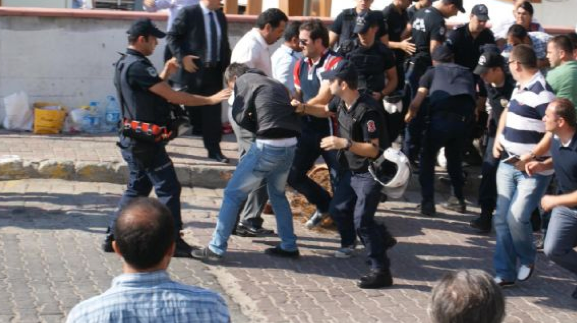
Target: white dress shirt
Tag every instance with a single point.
(253, 51)
(283, 61)
(173, 7)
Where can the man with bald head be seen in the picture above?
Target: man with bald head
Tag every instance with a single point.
(145, 241)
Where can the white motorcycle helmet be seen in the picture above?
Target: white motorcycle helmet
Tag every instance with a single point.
(392, 171)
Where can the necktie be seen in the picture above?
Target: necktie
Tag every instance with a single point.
(213, 39)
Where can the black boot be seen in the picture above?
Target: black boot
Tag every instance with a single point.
(482, 222)
(376, 279)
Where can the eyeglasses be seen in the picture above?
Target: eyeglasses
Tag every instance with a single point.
(511, 61)
(303, 42)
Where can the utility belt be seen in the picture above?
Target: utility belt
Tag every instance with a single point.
(145, 131)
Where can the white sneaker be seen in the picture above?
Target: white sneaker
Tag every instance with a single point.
(315, 219)
(525, 272)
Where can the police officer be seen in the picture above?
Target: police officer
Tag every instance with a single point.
(396, 20)
(357, 194)
(144, 97)
(500, 85)
(342, 29)
(428, 32)
(451, 91)
(375, 64)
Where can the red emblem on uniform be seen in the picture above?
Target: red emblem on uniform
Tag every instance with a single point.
(371, 127)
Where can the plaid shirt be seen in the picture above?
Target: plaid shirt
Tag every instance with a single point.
(539, 40)
(151, 297)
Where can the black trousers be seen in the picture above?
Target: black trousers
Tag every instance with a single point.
(208, 117)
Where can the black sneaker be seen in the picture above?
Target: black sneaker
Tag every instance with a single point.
(205, 254)
(183, 249)
(376, 279)
(482, 223)
(107, 243)
(427, 208)
(250, 231)
(456, 205)
(280, 252)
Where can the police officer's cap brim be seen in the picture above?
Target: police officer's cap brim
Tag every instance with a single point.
(482, 17)
(480, 70)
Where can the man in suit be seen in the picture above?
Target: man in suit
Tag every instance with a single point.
(201, 31)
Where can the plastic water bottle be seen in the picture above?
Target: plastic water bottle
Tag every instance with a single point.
(112, 114)
(91, 121)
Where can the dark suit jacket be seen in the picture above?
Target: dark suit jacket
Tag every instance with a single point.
(187, 37)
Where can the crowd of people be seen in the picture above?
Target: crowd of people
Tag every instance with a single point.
(343, 93)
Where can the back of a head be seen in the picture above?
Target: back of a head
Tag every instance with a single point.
(467, 296)
(517, 31)
(272, 16)
(525, 55)
(144, 232)
(292, 30)
(235, 70)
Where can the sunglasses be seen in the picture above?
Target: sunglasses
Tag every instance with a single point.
(303, 42)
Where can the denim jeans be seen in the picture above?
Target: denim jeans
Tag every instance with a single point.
(262, 162)
(561, 238)
(518, 195)
(353, 208)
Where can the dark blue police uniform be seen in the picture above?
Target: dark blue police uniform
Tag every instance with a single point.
(148, 162)
(344, 26)
(357, 194)
(452, 102)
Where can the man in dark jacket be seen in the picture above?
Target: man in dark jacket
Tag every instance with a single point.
(262, 105)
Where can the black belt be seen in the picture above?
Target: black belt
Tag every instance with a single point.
(211, 64)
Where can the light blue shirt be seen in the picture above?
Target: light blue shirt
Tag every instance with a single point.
(283, 65)
(151, 297)
(173, 7)
(206, 16)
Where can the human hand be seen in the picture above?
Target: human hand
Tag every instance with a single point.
(408, 47)
(188, 63)
(548, 202)
(149, 4)
(497, 149)
(223, 95)
(171, 66)
(333, 143)
(409, 116)
(533, 167)
(299, 106)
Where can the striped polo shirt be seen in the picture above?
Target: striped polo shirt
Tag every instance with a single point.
(524, 127)
(307, 74)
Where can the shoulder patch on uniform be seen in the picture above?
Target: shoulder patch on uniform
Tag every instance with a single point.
(152, 71)
(442, 31)
(371, 127)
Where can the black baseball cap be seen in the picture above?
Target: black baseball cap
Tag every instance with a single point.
(345, 70)
(145, 27)
(458, 4)
(365, 21)
(481, 11)
(488, 60)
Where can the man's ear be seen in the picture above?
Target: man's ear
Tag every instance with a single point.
(116, 249)
(170, 250)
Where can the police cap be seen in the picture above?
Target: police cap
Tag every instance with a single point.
(458, 4)
(488, 60)
(345, 71)
(481, 11)
(145, 27)
(365, 21)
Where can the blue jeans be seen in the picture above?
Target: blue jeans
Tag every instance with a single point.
(518, 195)
(262, 162)
(561, 238)
(353, 208)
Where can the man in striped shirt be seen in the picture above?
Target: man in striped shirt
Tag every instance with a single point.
(144, 240)
(521, 137)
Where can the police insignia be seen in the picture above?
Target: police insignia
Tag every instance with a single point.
(442, 31)
(371, 127)
(152, 71)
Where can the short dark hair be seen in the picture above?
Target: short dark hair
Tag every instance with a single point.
(272, 16)
(470, 296)
(133, 38)
(353, 83)
(235, 70)
(144, 231)
(317, 30)
(525, 55)
(564, 43)
(292, 30)
(573, 37)
(517, 31)
(565, 109)
(528, 7)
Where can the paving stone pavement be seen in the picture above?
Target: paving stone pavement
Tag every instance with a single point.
(50, 259)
